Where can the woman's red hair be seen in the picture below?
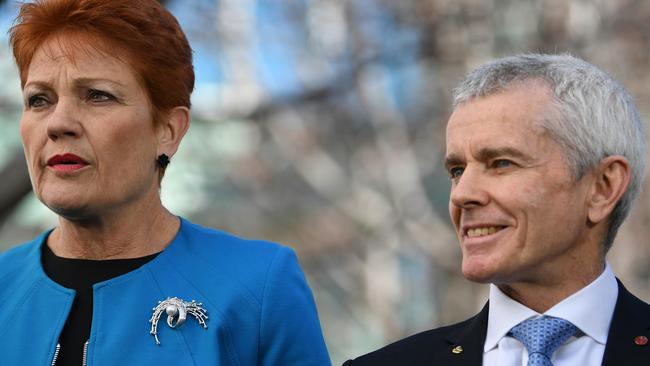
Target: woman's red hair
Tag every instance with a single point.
(146, 32)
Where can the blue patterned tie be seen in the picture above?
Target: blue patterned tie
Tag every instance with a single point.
(542, 336)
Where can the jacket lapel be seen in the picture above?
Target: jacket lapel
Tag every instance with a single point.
(631, 320)
(466, 344)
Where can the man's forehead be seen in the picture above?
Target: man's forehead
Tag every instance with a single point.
(526, 106)
(505, 123)
(494, 134)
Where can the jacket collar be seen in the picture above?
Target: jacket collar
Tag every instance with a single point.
(466, 343)
(631, 320)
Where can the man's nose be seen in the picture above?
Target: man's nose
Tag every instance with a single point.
(64, 120)
(469, 189)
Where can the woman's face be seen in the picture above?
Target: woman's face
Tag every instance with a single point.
(87, 131)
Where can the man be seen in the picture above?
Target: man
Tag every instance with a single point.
(546, 155)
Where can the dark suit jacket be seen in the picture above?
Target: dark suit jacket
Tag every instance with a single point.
(435, 347)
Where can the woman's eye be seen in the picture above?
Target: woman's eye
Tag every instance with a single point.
(455, 172)
(99, 96)
(36, 101)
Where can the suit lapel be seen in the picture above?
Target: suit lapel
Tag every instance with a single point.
(631, 319)
(466, 344)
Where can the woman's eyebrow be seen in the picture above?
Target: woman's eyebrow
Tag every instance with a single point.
(77, 82)
(36, 84)
(86, 81)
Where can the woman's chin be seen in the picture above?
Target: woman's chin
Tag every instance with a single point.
(69, 210)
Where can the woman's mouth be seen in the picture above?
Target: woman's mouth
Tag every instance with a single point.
(66, 163)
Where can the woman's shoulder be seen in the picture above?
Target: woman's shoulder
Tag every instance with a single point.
(20, 255)
(214, 258)
(254, 290)
(223, 246)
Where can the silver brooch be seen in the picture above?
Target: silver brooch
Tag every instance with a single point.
(177, 310)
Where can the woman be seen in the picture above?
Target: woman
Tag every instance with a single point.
(121, 280)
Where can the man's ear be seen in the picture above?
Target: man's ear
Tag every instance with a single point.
(171, 130)
(612, 177)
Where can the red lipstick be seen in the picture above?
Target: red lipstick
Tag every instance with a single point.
(66, 162)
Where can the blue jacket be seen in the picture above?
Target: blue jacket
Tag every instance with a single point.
(261, 311)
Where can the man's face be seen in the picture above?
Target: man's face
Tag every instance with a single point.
(519, 214)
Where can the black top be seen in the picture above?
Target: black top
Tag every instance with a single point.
(80, 275)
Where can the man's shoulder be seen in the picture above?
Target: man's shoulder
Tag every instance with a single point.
(629, 296)
(628, 331)
(421, 348)
(629, 306)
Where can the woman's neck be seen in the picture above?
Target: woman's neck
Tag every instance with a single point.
(125, 234)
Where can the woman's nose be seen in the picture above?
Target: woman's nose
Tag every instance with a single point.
(64, 121)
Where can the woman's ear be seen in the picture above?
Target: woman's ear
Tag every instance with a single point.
(612, 178)
(172, 129)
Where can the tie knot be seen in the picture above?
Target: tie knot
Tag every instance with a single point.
(543, 335)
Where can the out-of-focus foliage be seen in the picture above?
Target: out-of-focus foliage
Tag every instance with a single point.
(320, 124)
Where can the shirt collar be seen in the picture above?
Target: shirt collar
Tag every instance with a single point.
(505, 313)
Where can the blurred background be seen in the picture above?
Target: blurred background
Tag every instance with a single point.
(320, 124)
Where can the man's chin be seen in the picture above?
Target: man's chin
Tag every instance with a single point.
(479, 273)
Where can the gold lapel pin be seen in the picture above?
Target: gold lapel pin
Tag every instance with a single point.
(456, 350)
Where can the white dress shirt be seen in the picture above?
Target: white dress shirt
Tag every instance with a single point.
(590, 309)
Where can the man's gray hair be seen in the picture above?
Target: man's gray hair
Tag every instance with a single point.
(596, 117)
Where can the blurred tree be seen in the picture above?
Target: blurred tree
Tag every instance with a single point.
(15, 184)
(320, 124)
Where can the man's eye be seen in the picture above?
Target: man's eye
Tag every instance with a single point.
(99, 96)
(501, 163)
(36, 101)
(455, 172)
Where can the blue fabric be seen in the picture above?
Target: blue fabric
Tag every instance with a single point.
(261, 311)
(543, 336)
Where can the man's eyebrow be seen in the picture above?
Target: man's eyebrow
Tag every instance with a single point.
(488, 153)
(491, 153)
(453, 160)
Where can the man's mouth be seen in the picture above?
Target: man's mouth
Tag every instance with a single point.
(483, 231)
